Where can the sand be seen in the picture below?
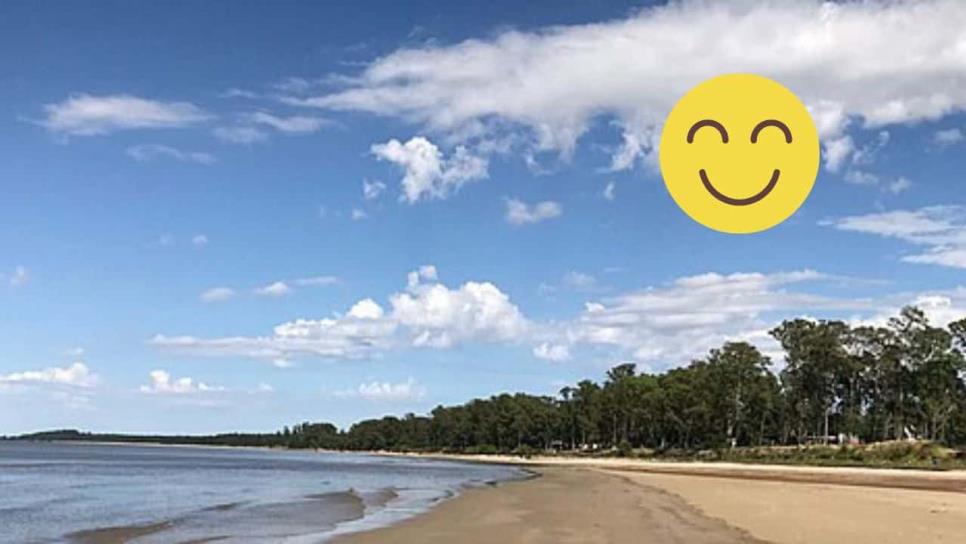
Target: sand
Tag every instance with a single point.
(617, 501)
(565, 506)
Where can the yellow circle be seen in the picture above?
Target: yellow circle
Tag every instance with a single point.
(739, 153)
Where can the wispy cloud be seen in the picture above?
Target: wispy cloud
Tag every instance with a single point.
(243, 135)
(372, 189)
(610, 191)
(316, 281)
(89, 115)
(18, 278)
(521, 213)
(150, 152)
(949, 136)
(217, 294)
(274, 289)
(941, 230)
(295, 124)
(75, 375)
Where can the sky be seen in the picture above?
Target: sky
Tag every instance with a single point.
(229, 216)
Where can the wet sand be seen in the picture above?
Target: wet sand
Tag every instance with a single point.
(618, 501)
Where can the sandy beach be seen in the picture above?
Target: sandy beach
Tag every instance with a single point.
(616, 501)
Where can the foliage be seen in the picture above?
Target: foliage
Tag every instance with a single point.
(900, 385)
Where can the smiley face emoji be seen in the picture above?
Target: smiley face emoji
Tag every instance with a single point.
(739, 153)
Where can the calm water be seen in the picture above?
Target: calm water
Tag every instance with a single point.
(60, 492)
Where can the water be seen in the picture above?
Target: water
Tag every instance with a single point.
(64, 492)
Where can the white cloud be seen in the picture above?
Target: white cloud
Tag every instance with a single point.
(377, 391)
(431, 314)
(949, 137)
(900, 185)
(610, 191)
(217, 294)
(163, 384)
(842, 59)
(19, 277)
(244, 135)
(861, 177)
(316, 281)
(274, 289)
(295, 124)
(684, 319)
(199, 240)
(358, 214)
(579, 280)
(437, 316)
(87, 115)
(521, 213)
(657, 325)
(150, 152)
(75, 375)
(838, 151)
(372, 189)
(361, 332)
(552, 352)
(940, 229)
(428, 174)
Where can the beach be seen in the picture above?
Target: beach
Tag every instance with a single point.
(615, 501)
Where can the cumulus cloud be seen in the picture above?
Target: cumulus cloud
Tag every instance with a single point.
(428, 174)
(521, 213)
(377, 391)
(842, 59)
(163, 384)
(199, 240)
(89, 115)
(358, 214)
(217, 294)
(941, 230)
(437, 316)
(75, 375)
(150, 152)
(426, 314)
(656, 325)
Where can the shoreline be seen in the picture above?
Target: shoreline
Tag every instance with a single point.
(615, 503)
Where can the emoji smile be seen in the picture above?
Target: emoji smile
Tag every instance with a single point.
(739, 201)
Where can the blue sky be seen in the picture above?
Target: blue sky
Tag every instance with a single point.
(228, 216)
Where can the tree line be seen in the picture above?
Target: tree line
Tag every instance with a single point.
(868, 383)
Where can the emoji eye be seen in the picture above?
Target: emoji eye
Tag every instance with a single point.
(771, 123)
(707, 123)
